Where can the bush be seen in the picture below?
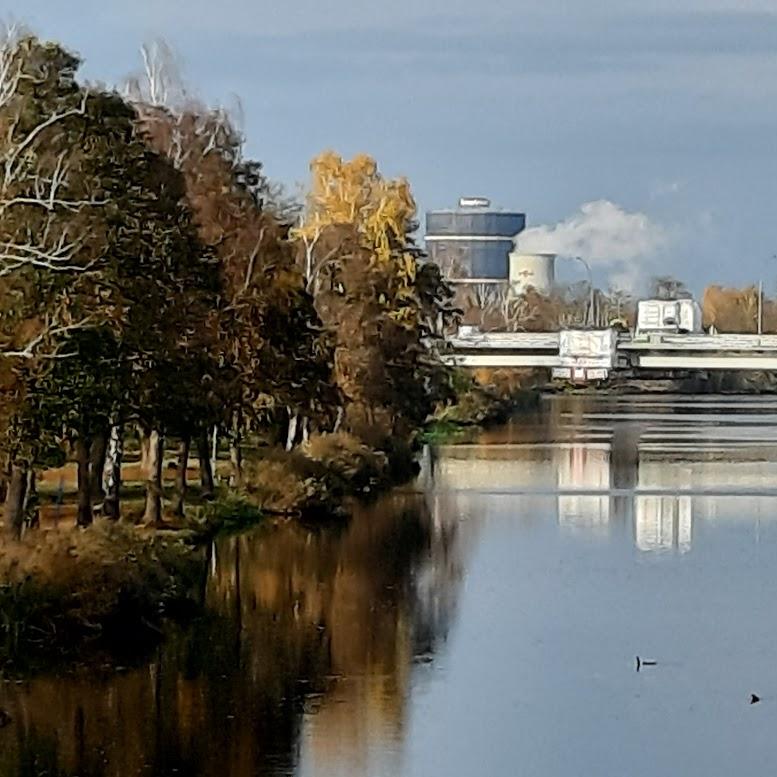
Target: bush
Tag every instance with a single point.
(290, 484)
(358, 467)
(229, 512)
(61, 588)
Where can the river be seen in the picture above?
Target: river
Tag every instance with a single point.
(484, 621)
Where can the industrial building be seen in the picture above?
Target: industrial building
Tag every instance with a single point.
(476, 243)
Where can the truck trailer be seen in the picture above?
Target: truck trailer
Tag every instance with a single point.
(675, 316)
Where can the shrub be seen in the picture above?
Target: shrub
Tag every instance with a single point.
(59, 588)
(229, 512)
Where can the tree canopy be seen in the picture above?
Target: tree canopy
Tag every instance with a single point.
(152, 275)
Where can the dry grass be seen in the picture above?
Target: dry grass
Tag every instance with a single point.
(64, 587)
(65, 477)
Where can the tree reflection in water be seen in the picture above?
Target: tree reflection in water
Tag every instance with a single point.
(297, 616)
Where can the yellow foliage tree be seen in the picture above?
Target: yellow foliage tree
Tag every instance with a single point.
(381, 305)
(380, 210)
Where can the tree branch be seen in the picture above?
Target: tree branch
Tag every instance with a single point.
(29, 350)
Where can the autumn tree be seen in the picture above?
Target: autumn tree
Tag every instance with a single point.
(732, 310)
(51, 237)
(107, 284)
(374, 293)
(274, 359)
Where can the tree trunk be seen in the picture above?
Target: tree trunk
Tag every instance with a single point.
(84, 517)
(153, 512)
(6, 478)
(97, 455)
(339, 419)
(112, 473)
(145, 453)
(180, 475)
(31, 506)
(236, 454)
(214, 459)
(206, 471)
(236, 460)
(305, 428)
(14, 501)
(292, 433)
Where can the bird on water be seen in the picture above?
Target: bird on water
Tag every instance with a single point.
(644, 662)
(754, 699)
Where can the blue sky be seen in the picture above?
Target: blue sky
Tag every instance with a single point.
(665, 108)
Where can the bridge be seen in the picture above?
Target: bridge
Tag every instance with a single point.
(591, 354)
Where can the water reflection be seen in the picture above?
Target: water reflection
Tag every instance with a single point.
(485, 625)
(305, 624)
(648, 461)
(584, 467)
(663, 523)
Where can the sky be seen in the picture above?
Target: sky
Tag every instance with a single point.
(662, 114)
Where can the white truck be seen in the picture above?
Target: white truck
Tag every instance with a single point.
(669, 316)
(586, 354)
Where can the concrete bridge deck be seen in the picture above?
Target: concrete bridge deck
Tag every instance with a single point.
(604, 349)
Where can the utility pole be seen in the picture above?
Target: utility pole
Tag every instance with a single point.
(590, 311)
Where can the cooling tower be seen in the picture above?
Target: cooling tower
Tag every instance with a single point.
(532, 270)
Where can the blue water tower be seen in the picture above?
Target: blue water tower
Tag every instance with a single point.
(472, 242)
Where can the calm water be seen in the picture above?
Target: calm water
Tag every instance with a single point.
(486, 623)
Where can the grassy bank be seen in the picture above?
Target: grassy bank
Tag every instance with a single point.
(70, 593)
(484, 398)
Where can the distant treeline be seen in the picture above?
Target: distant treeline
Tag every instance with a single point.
(492, 307)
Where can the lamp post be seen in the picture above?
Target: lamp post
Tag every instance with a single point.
(590, 311)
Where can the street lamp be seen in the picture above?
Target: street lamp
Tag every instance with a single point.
(590, 310)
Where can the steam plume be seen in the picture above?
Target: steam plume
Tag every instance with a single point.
(601, 232)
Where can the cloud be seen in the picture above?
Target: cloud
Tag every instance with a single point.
(667, 189)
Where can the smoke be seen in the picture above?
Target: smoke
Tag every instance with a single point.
(603, 234)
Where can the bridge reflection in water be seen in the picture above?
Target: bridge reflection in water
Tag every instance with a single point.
(660, 467)
(441, 631)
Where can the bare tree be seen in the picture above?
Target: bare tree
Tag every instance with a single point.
(162, 84)
(667, 287)
(40, 215)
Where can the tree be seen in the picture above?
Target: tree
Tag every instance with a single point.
(51, 237)
(667, 287)
(274, 362)
(381, 303)
(108, 286)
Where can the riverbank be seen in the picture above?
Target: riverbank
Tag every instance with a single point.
(70, 592)
(485, 398)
